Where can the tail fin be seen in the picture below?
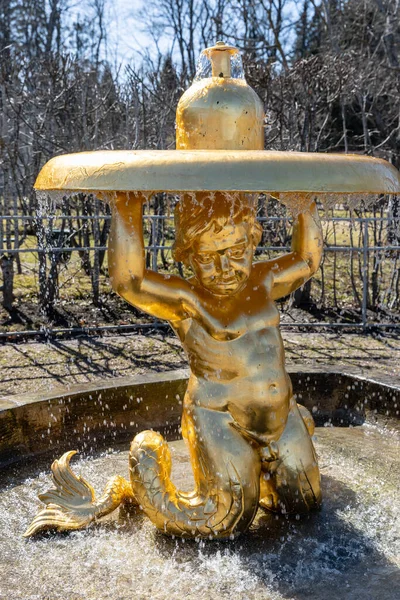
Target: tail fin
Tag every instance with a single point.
(72, 504)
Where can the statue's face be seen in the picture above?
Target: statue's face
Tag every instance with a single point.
(222, 261)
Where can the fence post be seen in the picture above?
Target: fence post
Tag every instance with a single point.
(365, 275)
(7, 270)
(154, 242)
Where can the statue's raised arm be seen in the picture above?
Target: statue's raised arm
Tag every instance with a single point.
(292, 270)
(163, 296)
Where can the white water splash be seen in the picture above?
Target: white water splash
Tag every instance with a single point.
(348, 548)
(298, 202)
(204, 68)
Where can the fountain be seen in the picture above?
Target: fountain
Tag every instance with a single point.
(250, 442)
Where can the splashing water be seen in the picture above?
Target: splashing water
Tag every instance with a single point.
(298, 202)
(48, 201)
(204, 68)
(295, 202)
(237, 70)
(347, 550)
(108, 197)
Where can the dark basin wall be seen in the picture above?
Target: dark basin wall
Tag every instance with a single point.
(342, 399)
(92, 417)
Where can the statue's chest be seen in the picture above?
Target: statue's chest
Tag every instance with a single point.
(229, 320)
(251, 317)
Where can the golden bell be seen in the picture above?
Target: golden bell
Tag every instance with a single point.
(220, 112)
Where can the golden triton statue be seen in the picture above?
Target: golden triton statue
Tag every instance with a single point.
(250, 443)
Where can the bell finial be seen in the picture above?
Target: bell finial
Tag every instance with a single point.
(220, 57)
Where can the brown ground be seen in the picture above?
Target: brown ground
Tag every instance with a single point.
(36, 366)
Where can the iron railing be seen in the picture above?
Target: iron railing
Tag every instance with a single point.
(364, 250)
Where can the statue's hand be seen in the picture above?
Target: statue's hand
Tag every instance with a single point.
(125, 203)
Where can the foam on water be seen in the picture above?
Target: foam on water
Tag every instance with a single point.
(347, 550)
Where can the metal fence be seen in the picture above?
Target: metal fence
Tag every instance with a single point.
(62, 242)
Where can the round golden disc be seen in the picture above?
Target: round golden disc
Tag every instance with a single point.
(218, 170)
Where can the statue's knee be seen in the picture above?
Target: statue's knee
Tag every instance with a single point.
(307, 418)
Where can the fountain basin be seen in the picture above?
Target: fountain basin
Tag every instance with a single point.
(94, 416)
(279, 557)
(347, 550)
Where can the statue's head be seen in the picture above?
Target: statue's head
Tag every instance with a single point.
(216, 235)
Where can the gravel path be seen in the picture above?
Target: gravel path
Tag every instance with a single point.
(36, 366)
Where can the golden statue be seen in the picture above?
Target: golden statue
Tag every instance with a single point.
(250, 443)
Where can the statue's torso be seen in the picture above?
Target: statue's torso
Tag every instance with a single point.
(244, 375)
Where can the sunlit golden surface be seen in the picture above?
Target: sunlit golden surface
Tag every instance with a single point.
(250, 444)
(225, 116)
(248, 441)
(231, 170)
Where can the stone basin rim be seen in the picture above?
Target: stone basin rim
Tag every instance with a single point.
(96, 415)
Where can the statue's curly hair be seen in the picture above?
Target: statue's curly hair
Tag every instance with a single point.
(196, 213)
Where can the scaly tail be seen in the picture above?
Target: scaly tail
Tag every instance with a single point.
(72, 504)
(214, 515)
